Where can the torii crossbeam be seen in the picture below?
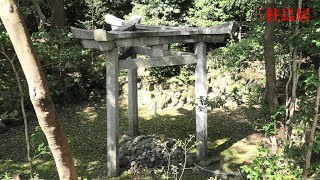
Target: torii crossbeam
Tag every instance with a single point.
(122, 42)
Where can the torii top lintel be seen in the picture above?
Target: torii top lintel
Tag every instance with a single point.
(131, 33)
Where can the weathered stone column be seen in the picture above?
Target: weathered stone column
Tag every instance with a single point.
(133, 101)
(201, 92)
(112, 67)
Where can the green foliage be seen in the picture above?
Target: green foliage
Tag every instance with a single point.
(9, 99)
(315, 37)
(71, 72)
(185, 74)
(58, 56)
(235, 55)
(255, 95)
(161, 12)
(90, 13)
(5, 115)
(310, 35)
(309, 81)
(194, 13)
(236, 95)
(39, 143)
(173, 171)
(273, 167)
(94, 16)
(162, 74)
(317, 144)
(211, 12)
(270, 127)
(6, 176)
(215, 102)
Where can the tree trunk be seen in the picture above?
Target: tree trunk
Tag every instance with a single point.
(271, 89)
(42, 17)
(38, 89)
(58, 17)
(311, 140)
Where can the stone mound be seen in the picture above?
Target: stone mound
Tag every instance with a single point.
(149, 151)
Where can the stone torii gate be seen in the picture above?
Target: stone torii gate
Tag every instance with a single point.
(123, 43)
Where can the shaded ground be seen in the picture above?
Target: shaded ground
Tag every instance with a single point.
(231, 137)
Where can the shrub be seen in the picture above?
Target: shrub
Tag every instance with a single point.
(159, 12)
(268, 166)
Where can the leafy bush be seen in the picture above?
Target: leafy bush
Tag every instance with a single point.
(6, 176)
(159, 12)
(39, 143)
(94, 16)
(71, 72)
(268, 166)
(161, 74)
(211, 12)
(233, 56)
(9, 98)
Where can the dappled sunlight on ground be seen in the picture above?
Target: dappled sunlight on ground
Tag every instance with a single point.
(90, 112)
(230, 133)
(242, 151)
(149, 114)
(231, 137)
(217, 143)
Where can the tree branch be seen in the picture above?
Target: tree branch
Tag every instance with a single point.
(42, 17)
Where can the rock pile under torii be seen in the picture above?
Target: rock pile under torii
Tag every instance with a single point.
(150, 151)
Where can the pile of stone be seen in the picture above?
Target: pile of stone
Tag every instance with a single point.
(177, 93)
(149, 151)
(173, 93)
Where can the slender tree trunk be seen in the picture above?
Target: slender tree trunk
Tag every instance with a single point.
(38, 89)
(295, 73)
(240, 31)
(42, 17)
(288, 100)
(26, 129)
(311, 140)
(295, 77)
(25, 121)
(58, 17)
(294, 67)
(271, 89)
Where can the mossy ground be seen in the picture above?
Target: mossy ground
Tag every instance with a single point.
(231, 138)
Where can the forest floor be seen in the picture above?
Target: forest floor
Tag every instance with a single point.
(231, 135)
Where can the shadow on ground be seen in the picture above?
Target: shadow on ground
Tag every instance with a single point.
(86, 129)
(231, 137)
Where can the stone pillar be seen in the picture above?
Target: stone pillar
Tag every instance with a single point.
(201, 92)
(112, 67)
(133, 101)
